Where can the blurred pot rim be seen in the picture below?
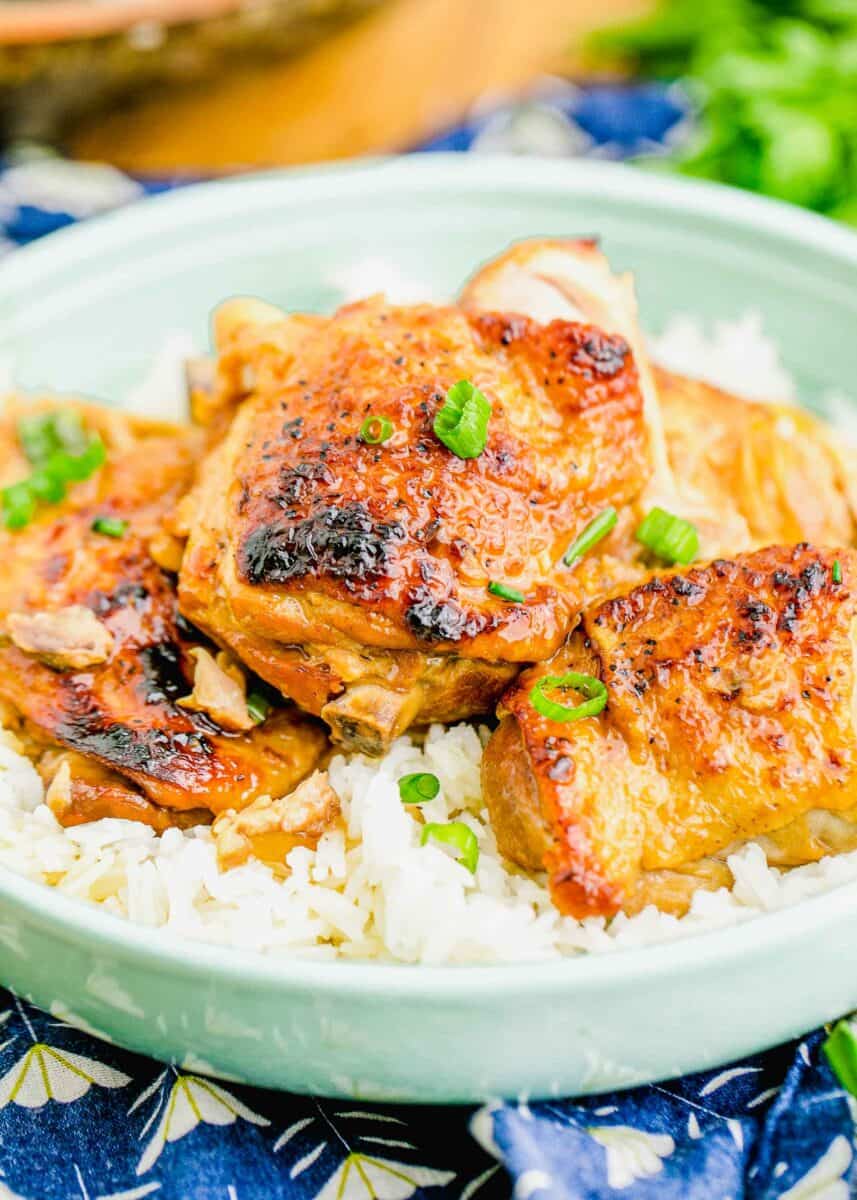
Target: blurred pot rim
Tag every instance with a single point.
(27, 22)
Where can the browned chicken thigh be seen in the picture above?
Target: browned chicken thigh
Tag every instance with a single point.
(729, 716)
(134, 715)
(354, 577)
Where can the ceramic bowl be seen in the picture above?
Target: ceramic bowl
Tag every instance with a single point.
(86, 309)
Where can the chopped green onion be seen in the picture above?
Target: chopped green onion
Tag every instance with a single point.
(462, 423)
(258, 706)
(44, 434)
(840, 1050)
(113, 527)
(47, 484)
(81, 466)
(458, 835)
(590, 687)
(37, 437)
(19, 505)
(837, 571)
(419, 787)
(69, 431)
(506, 593)
(597, 529)
(375, 430)
(670, 538)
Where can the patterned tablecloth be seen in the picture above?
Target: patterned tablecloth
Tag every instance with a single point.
(81, 1118)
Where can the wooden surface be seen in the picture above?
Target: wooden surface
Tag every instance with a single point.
(381, 84)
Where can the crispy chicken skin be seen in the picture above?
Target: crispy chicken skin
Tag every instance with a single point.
(354, 577)
(730, 717)
(142, 752)
(757, 474)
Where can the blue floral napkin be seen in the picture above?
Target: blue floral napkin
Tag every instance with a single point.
(83, 1119)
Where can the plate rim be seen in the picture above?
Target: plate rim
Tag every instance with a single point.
(167, 950)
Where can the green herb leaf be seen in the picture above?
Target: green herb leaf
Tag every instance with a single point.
(113, 527)
(458, 835)
(375, 430)
(462, 423)
(670, 538)
(506, 593)
(258, 706)
(590, 535)
(587, 685)
(418, 787)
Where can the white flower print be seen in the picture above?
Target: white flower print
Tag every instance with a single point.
(192, 1101)
(45, 1073)
(824, 1181)
(361, 1177)
(631, 1153)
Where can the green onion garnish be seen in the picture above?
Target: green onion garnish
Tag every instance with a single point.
(670, 538)
(506, 593)
(61, 452)
(458, 835)
(840, 1050)
(419, 787)
(258, 706)
(462, 423)
(48, 484)
(837, 571)
(590, 687)
(44, 434)
(375, 430)
(19, 505)
(597, 529)
(113, 527)
(81, 466)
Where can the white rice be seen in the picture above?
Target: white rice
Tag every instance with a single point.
(371, 891)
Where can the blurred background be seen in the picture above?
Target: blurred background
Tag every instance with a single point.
(101, 100)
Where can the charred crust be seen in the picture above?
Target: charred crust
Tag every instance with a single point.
(439, 620)
(343, 542)
(163, 676)
(297, 482)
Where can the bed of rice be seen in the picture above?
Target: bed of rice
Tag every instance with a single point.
(370, 891)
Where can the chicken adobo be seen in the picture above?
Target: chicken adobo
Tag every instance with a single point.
(401, 515)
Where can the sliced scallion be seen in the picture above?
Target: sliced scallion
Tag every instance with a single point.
(506, 593)
(590, 687)
(19, 505)
(258, 706)
(113, 527)
(836, 573)
(375, 430)
(462, 423)
(668, 537)
(418, 787)
(592, 533)
(457, 835)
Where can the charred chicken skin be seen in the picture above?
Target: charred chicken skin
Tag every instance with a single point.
(729, 717)
(99, 672)
(354, 577)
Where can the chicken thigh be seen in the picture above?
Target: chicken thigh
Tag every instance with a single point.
(729, 716)
(354, 577)
(130, 711)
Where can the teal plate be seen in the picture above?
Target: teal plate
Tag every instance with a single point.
(86, 309)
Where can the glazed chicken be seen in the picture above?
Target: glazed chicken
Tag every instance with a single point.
(729, 717)
(747, 474)
(354, 577)
(127, 708)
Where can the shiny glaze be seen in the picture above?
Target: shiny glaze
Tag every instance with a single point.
(321, 541)
(729, 717)
(123, 713)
